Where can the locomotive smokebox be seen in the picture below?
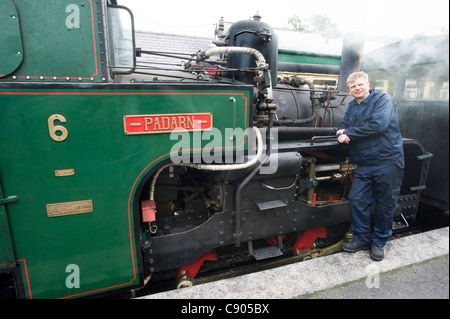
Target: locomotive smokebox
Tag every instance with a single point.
(254, 34)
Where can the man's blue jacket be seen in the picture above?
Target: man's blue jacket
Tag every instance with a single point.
(374, 133)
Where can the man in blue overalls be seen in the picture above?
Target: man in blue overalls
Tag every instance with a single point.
(370, 127)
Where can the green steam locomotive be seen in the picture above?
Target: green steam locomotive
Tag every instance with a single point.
(112, 178)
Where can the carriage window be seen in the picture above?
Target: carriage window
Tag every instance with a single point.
(121, 48)
(383, 81)
(427, 81)
(443, 92)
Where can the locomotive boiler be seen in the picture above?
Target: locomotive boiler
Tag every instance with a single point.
(113, 178)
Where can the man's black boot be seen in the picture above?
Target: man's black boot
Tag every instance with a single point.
(353, 247)
(376, 253)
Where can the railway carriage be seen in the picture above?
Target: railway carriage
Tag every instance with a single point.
(415, 72)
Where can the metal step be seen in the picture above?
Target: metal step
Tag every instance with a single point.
(266, 252)
(277, 203)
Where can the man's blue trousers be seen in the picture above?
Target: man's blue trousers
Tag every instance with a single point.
(378, 186)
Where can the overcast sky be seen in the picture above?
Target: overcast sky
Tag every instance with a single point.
(390, 19)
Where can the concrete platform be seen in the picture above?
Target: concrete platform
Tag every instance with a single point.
(416, 266)
(426, 280)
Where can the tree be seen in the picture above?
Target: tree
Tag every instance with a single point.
(297, 24)
(318, 22)
(321, 22)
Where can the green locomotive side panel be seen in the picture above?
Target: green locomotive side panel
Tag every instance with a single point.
(11, 50)
(60, 41)
(67, 155)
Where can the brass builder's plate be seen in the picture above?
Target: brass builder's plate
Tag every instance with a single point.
(70, 208)
(64, 172)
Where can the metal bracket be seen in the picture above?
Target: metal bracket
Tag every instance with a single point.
(7, 256)
(8, 200)
(426, 158)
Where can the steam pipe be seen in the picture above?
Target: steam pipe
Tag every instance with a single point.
(260, 60)
(286, 130)
(213, 167)
(237, 234)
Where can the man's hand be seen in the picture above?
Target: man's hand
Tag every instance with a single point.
(343, 138)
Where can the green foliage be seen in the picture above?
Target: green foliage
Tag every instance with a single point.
(318, 22)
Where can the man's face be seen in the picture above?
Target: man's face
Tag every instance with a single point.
(359, 89)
